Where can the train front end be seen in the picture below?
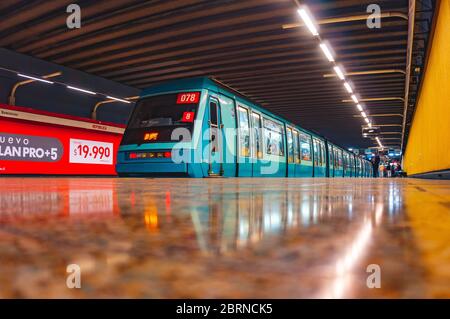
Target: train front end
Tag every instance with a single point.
(159, 138)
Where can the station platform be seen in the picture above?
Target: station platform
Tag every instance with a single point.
(224, 238)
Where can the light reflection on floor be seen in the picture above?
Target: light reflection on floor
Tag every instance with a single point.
(230, 238)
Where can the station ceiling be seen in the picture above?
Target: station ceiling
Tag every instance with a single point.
(253, 46)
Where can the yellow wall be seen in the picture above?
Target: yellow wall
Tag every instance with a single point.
(428, 146)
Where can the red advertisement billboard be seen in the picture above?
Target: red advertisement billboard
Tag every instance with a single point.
(44, 143)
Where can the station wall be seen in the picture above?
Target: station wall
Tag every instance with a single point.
(428, 145)
(57, 98)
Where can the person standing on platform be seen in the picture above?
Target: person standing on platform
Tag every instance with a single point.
(375, 164)
(388, 169)
(382, 169)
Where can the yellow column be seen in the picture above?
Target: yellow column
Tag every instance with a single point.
(428, 147)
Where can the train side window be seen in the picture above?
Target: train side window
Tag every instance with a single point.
(213, 112)
(244, 132)
(296, 149)
(290, 145)
(305, 147)
(316, 152)
(322, 153)
(273, 138)
(330, 154)
(339, 158)
(336, 158)
(257, 128)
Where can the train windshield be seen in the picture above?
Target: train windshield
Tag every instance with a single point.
(155, 118)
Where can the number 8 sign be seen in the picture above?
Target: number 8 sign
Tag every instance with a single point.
(188, 117)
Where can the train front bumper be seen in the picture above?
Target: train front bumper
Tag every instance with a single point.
(157, 169)
(149, 162)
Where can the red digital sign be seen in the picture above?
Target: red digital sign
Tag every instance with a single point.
(188, 117)
(37, 142)
(188, 97)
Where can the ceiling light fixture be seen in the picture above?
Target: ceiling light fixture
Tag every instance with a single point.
(348, 87)
(80, 90)
(35, 79)
(339, 72)
(309, 22)
(327, 52)
(117, 99)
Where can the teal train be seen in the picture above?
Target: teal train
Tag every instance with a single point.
(199, 127)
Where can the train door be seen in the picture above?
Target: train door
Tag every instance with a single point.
(295, 137)
(244, 155)
(346, 165)
(324, 159)
(362, 167)
(257, 143)
(338, 162)
(213, 138)
(354, 168)
(330, 160)
(358, 167)
(306, 167)
(290, 152)
(317, 158)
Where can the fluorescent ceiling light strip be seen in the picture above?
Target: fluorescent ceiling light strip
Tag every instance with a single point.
(339, 72)
(33, 78)
(308, 21)
(117, 99)
(327, 52)
(81, 90)
(348, 87)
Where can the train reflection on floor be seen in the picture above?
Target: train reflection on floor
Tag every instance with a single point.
(215, 238)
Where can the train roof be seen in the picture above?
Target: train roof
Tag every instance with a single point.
(215, 85)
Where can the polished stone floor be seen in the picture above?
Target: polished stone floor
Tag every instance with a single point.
(225, 238)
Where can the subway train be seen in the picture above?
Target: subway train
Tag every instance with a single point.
(199, 127)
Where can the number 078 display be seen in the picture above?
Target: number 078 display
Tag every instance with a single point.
(91, 152)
